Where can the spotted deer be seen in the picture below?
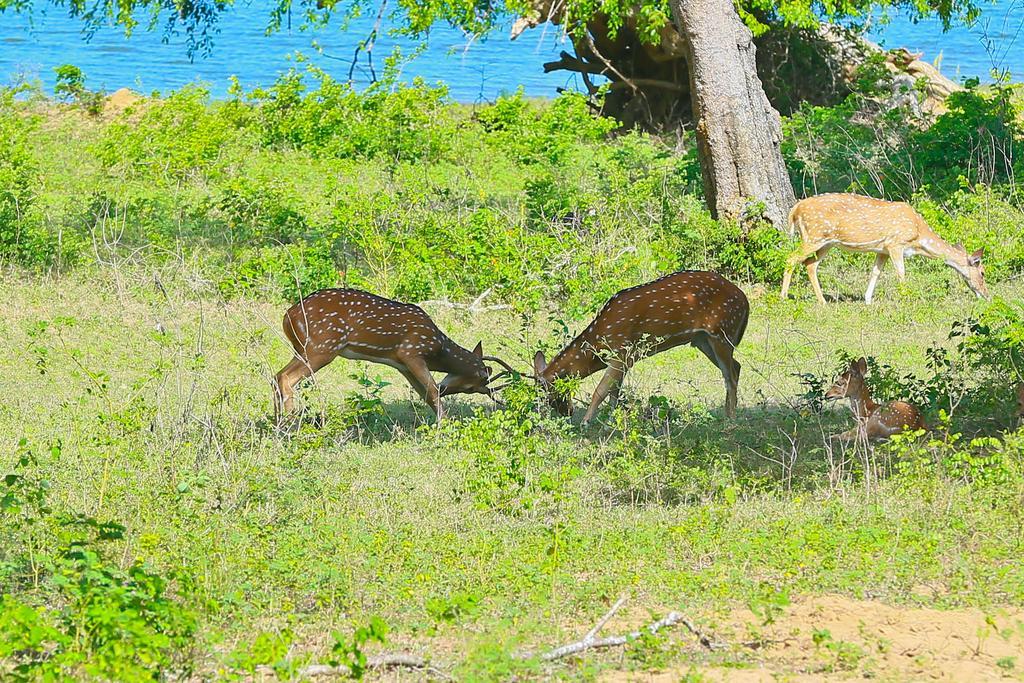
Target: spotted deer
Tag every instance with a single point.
(874, 422)
(689, 307)
(360, 326)
(890, 230)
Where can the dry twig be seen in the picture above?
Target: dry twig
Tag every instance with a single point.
(592, 642)
(475, 307)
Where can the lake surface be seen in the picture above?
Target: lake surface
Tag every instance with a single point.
(473, 71)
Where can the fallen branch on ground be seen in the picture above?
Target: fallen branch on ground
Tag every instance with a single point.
(474, 307)
(589, 642)
(592, 642)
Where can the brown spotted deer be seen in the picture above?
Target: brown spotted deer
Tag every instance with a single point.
(890, 230)
(361, 326)
(689, 307)
(874, 422)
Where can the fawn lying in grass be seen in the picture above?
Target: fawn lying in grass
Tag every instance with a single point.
(874, 422)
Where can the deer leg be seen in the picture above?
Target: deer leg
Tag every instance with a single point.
(896, 254)
(284, 385)
(719, 352)
(801, 254)
(847, 436)
(414, 383)
(811, 263)
(613, 395)
(609, 383)
(431, 394)
(298, 369)
(876, 270)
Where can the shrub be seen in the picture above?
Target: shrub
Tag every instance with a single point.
(757, 255)
(71, 86)
(977, 141)
(846, 148)
(286, 272)
(387, 120)
(258, 212)
(21, 237)
(534, 135)
(174, 137)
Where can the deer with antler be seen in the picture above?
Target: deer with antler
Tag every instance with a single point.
(360, 326)
(890, 230)
(874, 422)
(689, 307)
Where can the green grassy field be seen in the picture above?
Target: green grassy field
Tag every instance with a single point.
(501, 531)
(157, 524)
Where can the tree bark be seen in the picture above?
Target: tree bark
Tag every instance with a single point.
(739, 133)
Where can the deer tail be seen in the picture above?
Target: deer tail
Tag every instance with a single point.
(792, 220)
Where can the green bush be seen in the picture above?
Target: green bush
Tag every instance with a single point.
(411, 197)
(71, 86)
(977, 141)
(387, 120)
(851, 147)
(173, 138)
(286, 272)
(258, 212)
(531, 134)
(21, 236)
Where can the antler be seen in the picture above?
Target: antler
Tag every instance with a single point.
(509, 370)
(495, 359)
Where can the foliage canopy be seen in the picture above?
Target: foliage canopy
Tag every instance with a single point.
(198, 20)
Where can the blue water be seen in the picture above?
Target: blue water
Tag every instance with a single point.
(473, 71)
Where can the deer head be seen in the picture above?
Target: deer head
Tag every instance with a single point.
(473, 379)
(970, 268)
(559, 403)
(851, 382)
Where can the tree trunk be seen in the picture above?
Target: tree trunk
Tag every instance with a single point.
(738, 132)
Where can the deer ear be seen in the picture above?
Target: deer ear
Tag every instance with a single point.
(861, 365)
(539, 364)
(479, 350)
(975, 258)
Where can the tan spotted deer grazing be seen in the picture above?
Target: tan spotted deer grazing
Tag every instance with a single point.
(361, 326)
(891, 230)
(874, 422)
(689, 307)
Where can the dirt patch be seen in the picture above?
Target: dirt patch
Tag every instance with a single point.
(838, 638)
(119, 100)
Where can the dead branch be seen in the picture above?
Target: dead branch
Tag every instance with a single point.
(567, 62)
(474, 307)
(592, 642)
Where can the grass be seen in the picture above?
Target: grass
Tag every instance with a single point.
(485, 537)
(160, 247)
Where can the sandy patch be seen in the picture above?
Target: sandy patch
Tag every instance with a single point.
(119, 100)
(838, 638)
